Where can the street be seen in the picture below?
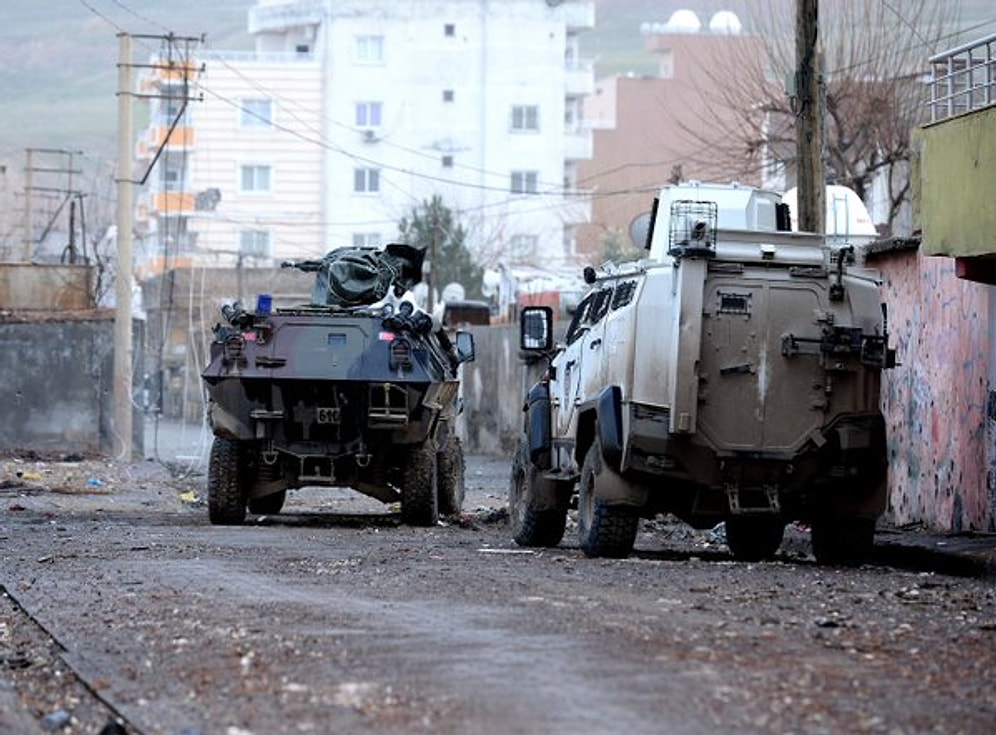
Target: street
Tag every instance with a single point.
(123, 603)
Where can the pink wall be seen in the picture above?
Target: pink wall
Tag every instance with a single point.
(935, 401)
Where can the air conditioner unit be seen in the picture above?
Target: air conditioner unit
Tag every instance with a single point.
(369, 136)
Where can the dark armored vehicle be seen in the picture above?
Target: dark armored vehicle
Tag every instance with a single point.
(358, 389)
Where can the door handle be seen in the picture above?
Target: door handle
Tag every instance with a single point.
(595, 343)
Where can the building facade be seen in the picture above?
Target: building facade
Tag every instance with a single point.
(350, 114)
(649, 130)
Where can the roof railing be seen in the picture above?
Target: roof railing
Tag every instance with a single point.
(963, 79)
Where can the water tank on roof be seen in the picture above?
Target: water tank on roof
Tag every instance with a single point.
(684, 21)
(725, 23)
(645, 28)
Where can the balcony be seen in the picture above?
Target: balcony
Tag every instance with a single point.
(955, 187)
(168, 73)
(963, 79)
(578, 144)
(171, 203)
(579, 78)
(579, 15)
(274, 18)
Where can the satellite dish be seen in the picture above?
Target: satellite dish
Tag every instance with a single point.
(453, 292)
(639, 228)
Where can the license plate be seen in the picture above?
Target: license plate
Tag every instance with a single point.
(326, 415)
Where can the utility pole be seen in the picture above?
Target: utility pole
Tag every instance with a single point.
(123, 350)
(29, 229)
(809, 119)
(122, 311)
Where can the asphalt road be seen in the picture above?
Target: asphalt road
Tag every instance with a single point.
(122, 603)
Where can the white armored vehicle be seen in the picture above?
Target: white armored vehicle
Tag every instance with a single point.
(730, 376)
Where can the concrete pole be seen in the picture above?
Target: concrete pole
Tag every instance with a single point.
(122, 313)
(809, 116)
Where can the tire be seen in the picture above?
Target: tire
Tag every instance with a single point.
(532, 526)
(226, 499)
(268, 505)
(754, 538)
(603, 530)
(843, 541)
(450, 477)
(419, 500)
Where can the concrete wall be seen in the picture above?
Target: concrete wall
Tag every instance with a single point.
(57, 389)
(44, 287)
(935, 402)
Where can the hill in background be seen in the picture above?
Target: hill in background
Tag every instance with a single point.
(58, 72)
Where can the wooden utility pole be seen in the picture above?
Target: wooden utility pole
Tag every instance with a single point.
(122, 310)
(809, 119)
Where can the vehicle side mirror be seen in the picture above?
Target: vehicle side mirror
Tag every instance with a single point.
(536, 329)
(465, 346)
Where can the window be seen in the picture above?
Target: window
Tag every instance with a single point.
(449, 29)
(579, 319)
(366, 179)
(623, 295)
(302, 49)
(256, 113)
(523, 247)
(172, 177)
(524, 182)
(254, 178)
(447, 95)
(369, 49)
(525, 117)
(366, 240)
(447, 161)
(255, 243)
(169, 109)
(368, 114)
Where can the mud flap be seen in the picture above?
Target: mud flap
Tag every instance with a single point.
(610, 428)
(538, 425)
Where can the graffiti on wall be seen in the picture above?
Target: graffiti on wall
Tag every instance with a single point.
(935, 401)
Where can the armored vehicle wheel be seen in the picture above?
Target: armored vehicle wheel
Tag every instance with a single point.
(603, 530)
(268, 504)
(754, 538)
(226, 500)
(843, 541)
(419, 501)
(450, 468)
(532, 526)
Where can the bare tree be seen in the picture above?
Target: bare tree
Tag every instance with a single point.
(874, 54)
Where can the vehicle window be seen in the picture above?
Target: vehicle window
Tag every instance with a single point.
(600, 305)
(579, 319)
(623, 295)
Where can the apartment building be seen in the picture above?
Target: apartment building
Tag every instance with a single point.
(350, 113)
(235, 176)
(649, 130)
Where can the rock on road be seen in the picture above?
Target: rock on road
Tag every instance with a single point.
(123, 602)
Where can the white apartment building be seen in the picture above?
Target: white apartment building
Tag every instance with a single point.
(236, 176)
(351, 113)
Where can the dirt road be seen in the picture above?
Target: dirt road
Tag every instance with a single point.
(122, 602)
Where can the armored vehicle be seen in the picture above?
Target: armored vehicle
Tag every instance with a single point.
(358, 389)
(730, 376)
